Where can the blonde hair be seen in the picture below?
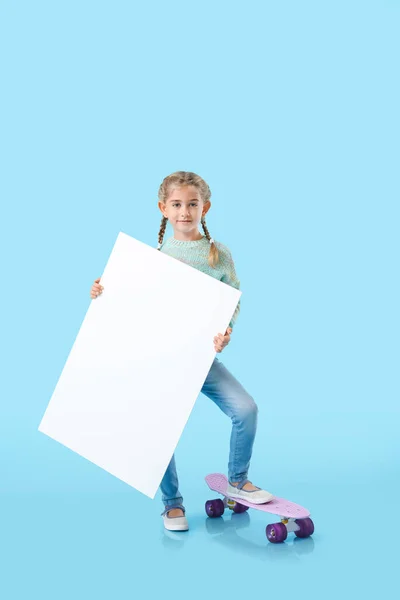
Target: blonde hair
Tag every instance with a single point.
(179, 179)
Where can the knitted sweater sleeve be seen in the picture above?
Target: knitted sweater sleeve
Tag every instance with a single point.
(230, 277)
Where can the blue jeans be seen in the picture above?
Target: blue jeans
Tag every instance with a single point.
(231, 397)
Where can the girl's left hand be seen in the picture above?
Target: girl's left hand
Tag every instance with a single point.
(220, 341)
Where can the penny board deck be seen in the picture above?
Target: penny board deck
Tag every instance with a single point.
(278, 506)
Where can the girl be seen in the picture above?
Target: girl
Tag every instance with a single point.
(184, 200)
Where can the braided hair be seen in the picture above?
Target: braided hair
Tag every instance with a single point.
(179, 179)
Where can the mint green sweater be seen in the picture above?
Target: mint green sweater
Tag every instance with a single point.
(195, 253)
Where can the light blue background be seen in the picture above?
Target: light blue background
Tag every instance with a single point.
(290, 111)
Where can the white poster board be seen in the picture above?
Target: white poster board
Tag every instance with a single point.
(138, 363)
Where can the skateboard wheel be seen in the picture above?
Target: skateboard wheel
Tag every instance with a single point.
(215, 508)
(306, 528)
(239, 508)
(276, 532)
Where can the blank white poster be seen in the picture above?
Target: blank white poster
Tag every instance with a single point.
(138, 363)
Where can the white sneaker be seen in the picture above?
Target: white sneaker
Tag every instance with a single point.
(175, 523)
(257, 496)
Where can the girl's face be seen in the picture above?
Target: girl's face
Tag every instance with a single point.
(184, 209)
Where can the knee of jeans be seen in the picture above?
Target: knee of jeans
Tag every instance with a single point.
(253, 407)
(250, 409)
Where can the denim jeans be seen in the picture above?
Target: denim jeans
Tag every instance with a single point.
(231, 397)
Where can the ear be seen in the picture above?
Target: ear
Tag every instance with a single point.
(206, 208)
(161, 206)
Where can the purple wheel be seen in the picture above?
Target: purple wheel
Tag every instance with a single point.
(276, 532)
(239, 508)
(215, 508)
(306, 528)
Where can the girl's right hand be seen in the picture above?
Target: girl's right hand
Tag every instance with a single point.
(96, 289)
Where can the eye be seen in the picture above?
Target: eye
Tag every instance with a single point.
(193, 203)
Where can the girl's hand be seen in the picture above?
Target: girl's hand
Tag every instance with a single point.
(220, 341)
(96, 289)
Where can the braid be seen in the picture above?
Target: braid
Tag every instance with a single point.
(163, 227)
(213, 256)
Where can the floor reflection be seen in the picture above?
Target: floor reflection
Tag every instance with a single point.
(225, 530)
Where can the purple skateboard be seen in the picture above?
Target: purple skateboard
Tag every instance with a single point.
(294, 517)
